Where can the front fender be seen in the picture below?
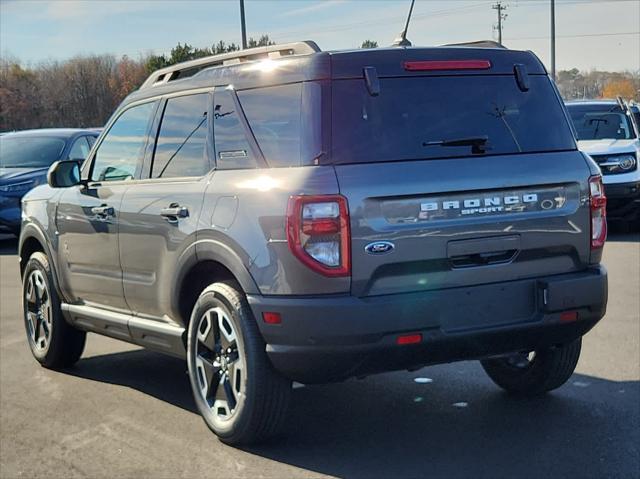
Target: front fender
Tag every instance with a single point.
(32, 231)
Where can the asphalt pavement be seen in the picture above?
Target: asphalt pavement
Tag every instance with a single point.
(126, 412)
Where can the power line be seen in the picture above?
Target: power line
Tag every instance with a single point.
(381, 21)
(579, 35)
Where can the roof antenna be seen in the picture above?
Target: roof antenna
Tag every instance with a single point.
(402, 41)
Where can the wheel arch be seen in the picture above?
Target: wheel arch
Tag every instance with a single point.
(212, 262)
(32, 239)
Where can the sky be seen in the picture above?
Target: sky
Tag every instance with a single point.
(591, 34)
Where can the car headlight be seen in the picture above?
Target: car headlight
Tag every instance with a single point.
(18, 187)
(619, 163)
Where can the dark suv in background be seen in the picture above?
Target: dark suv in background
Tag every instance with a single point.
(285, 214)
(25, 157)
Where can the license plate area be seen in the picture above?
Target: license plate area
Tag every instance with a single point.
(489, 306)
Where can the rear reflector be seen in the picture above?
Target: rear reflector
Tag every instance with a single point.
(569, 316)
(271, 318)
(434, 65)
(409, 339)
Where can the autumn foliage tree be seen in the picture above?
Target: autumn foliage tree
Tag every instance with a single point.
(623, 87)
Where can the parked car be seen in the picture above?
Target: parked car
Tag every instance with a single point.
(608, 132)
(285, 214)
(25, 157)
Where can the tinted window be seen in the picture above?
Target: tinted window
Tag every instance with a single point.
(414, 118)
(600, 121)
(232, 148)
(80, 149)
(121, 150)
(182, 140)
(29, 152)
(274, 116)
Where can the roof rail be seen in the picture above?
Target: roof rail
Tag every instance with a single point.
(185, 69)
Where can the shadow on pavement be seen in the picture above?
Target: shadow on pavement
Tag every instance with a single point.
(390, 426)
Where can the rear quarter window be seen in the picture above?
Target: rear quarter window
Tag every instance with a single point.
(273, 114)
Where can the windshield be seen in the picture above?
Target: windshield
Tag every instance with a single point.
(442, 117)
(29, 152)
(600, 121)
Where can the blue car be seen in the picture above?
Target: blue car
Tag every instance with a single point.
(25, 157)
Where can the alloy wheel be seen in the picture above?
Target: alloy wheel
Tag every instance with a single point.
(38, 310)
(220, 364)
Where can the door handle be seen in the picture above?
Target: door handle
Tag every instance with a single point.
(174, 212)
(103, 211)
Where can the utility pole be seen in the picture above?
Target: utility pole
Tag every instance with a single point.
(243, 25)
(553, 40)
(501, 16)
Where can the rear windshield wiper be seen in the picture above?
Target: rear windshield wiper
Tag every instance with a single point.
(478, 144)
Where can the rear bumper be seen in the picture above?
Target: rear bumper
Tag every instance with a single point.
(325, 339)
(623, 201)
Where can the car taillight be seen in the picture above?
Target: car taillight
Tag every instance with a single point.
(598, 205)
(318, 233)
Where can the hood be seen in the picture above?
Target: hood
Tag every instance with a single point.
(16, 174)
(608, 146)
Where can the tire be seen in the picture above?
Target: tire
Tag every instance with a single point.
(249, 403)
(549, 369)
(53, 342)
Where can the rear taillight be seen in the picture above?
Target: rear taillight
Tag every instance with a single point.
(318, 233)
(598, 205)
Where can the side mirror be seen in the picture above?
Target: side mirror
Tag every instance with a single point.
(63, 174)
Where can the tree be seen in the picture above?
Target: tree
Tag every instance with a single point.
(623, 87)
(263, 41)
(369, 44)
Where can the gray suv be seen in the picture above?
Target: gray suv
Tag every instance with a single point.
(285, 214)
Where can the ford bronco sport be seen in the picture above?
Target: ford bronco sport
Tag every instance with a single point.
(285, 214)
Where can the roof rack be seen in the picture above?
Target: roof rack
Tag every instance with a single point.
(185, 69)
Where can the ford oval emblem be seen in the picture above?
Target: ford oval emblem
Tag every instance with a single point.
(380, 247)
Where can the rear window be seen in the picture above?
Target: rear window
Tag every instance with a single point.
(429, 117)
(600, 121)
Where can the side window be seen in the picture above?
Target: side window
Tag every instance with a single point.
(274, 116)
(232, 148)
(182, 140)
(122, 148)
(80, 149)
(91, 140)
